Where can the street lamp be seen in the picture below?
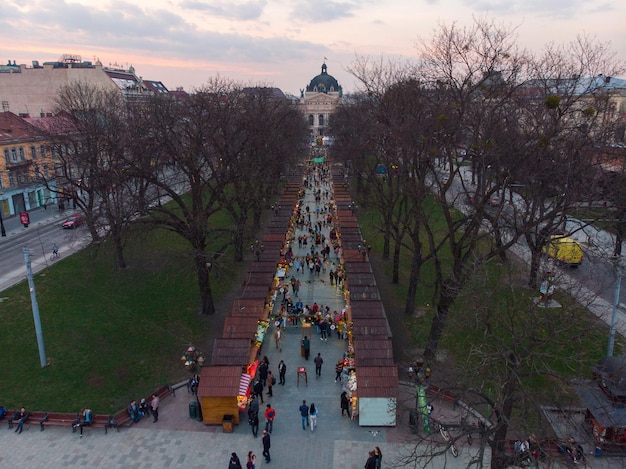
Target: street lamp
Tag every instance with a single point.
(619, 271)
(3, 232)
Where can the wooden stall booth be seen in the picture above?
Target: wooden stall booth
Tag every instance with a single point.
(217, 393)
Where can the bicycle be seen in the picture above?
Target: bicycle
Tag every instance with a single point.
(446, 436)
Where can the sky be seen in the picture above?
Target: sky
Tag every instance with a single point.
(280, 43)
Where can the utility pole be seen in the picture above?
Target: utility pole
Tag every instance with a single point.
(35, 306)
(619, 266)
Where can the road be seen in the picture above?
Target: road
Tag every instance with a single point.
(43, 231)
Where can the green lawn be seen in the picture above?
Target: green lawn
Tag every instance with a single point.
(568, 357)
(110, 335)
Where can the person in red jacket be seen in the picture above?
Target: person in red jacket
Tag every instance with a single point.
(270, 413)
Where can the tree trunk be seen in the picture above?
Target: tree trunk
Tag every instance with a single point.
(204, 284)
(499, 458)
(386, 243)
(446, 297)
(535, 262)
(238, 241)
(119, 253)
(416, 264)
(395, 275)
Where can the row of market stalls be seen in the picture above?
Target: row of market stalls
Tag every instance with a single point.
(369, 334)
(225, 383)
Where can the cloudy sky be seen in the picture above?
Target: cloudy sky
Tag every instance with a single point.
(275, 42)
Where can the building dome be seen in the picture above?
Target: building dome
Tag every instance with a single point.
(324, 83)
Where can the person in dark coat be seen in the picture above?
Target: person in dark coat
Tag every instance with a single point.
(282, 369)
(234, 462)
(263, 368)
(306, 345)
(258, 390)
(266, 446)
(371, 461)
(345, 404)
(253, 416)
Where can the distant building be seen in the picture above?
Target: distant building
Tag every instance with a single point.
(32, 90)
(26, 161)
(319, 100)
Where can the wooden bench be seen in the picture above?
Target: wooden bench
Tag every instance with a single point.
(60, 419)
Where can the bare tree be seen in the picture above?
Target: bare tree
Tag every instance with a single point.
(90, 168)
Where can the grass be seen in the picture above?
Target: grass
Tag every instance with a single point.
(572, 357)
(110, 335)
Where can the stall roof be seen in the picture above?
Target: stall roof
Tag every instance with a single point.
(370, 352)
(370, 327)
(219, 381)
(357, 267)
(234, 352)
(239, 328)
(603, 410)
(245, 307)
(377, 381)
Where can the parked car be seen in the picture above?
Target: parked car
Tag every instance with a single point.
(565, 250)
(495, 201)
(73, 221)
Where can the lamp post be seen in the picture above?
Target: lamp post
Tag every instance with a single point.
(619, 270)
(3, 232)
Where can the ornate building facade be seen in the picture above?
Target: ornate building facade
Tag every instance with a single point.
(319, 100)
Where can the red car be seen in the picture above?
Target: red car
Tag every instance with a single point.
(73, 221)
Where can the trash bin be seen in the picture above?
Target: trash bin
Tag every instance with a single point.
(193, 410)
(227, 423)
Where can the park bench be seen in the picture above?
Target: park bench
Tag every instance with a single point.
(61, 419)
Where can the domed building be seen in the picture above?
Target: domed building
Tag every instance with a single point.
(319, 100)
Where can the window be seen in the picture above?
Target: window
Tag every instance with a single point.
(7, 158)
(13, 155)
(11, 179)
(42, 151)
(46, 171)
(311, 119)
(33, 152)
(22, 155)
(321, 120)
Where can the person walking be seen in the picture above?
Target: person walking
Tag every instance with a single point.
(371, 461)
(338, 370)
(282, 369)
(313, 417)
(266, 446)
(304, 413)
(258, 390)
(270, 413)
(263, 369)
(270, 382)
(154, 407)
(345, 404)
(234, 462)
(253, 416)
(306, 345)
(251, 462)
(378, 454)
(318, 364)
